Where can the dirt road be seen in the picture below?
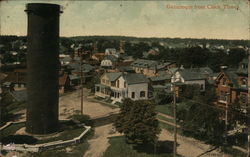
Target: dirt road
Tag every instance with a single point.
(70, 103)
(190, 147)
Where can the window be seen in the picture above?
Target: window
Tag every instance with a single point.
(118, 95)
(243, 98)
(118, 83)
(133, 95)
(103, 80)
(97, 89)
(142, 94)
(202, 86)
(125, 85)
(112, 83)
(224, 81)
(243, 81)
(223, 96)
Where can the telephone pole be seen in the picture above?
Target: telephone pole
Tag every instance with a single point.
(175, 127)
(81, 85)
(248, 106)
(226, 118)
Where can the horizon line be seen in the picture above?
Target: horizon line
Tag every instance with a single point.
(128, 36)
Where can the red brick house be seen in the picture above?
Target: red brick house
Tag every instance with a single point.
(231, 86)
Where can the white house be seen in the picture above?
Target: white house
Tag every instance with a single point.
(118, 86)
(109, 61)
(187, 76)
(110, 51)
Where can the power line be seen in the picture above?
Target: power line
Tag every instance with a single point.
(217, 108)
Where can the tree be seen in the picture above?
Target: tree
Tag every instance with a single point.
(137, 120)
(161, 97)
(198, 115)
(234, 56)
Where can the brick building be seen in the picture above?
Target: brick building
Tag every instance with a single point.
(231, 86)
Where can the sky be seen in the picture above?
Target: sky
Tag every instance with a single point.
(213, 19)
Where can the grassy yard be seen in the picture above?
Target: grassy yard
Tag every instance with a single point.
(165, 118)
(11, 130)
(118, 147)
(233, 152)
(165, 109)
(70, 131)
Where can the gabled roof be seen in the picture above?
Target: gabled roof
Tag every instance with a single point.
(189, 75)
(163, 76)
(111, 57)
(130, 78)
(113, 76)
(144, 63)
(125, 68)
(20, 95)
(231, 75)
(76, 66)
(203, 70)
(135, 78)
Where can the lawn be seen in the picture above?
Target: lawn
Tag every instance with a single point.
(118, 147)
(11, 130)
(165, 109)
(165, 118)
(69, 130)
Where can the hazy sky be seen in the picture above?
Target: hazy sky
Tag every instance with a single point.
(139, 18)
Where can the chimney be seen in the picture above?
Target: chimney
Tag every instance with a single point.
(42, 67)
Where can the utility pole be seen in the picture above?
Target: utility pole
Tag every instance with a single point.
(81, 85)
(226, 118)
(248, 107)
(175, 127)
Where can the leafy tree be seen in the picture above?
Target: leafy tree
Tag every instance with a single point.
(198, 115)
(201, 121)
(161, 97)
(137, 120)
(234, 56)
(189, 91)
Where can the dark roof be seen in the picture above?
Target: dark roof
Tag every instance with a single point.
(245, 61)
(130, 78)
(232, 76)
(113, 76)
(76, 67)
(111, 57)
(125, 68)
(134, 78)
(20, 95)
(203, 70)
(66, 59)
(74, 77)
(163, 76)
(191, 75)
(151, 64)
(144, 63)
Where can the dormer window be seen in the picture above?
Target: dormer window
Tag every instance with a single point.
(224, 81)
(243, 82)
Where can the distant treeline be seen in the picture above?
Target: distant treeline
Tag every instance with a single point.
(7, 38)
